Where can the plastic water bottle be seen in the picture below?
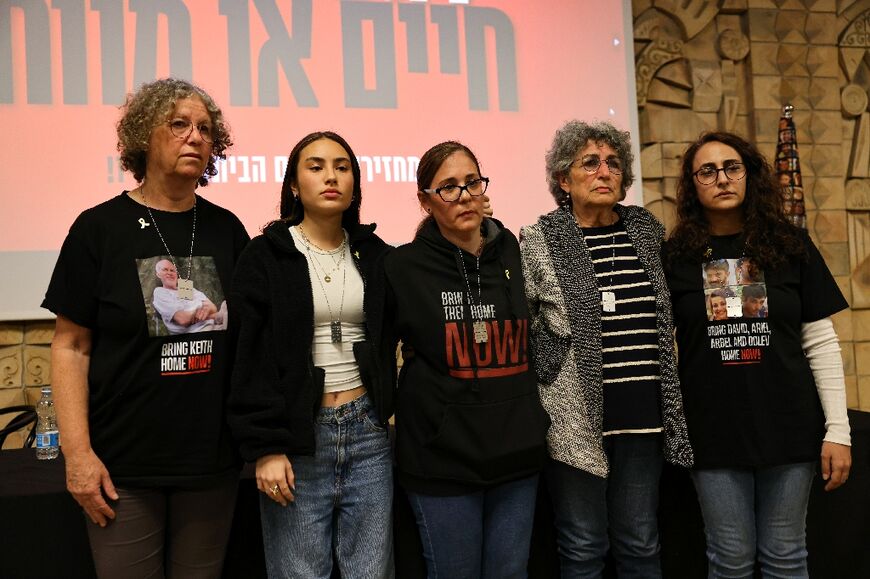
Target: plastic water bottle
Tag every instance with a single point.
(47, 442)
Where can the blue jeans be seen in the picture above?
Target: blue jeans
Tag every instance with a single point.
(481, 535)
(761, 511)
(593, 514)
(344, 500)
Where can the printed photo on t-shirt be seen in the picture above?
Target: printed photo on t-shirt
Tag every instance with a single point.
(735, 294)
(734, 288)
(746, 272)
(718, 273)
(753, 298)
(182, 302)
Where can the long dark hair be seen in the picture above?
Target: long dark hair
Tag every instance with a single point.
(769, 237)
(292, 210)
(432, 160)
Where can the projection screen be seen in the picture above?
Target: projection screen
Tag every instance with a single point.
(393, 77)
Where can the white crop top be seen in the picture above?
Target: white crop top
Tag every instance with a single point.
(339, 299)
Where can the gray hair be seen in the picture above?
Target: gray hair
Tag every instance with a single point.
(153, 103)
(573, 136)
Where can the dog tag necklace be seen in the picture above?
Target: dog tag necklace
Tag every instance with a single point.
(481, 335)
(608, 297)
(334, 323)
(184, 287)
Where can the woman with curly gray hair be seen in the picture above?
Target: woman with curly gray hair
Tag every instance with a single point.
(139, 361)
(602, 342)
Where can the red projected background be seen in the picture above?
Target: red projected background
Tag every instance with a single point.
(393, 78)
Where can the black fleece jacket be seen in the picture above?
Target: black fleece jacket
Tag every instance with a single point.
(468, 415)
(276, 389)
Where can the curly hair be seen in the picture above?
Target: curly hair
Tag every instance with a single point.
(151, 105)
(292, 210)
(573, 136)
(769, 238)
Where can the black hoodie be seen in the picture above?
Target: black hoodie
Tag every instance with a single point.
(468, 415)
(276, 389)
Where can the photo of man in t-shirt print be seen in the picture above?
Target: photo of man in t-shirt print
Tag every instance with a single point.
(748, 272)
(734, 288)
(716, 273)
(172, 309)
(754, 301)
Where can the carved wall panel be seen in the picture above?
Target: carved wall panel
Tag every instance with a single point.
(39, 333)
(859, 257)
(825, 192)
(693, 15)
(746, 59)
(11, 333)
(37, 365)
(857, 194)
(706, 86)
(11, 365)
(822, 61)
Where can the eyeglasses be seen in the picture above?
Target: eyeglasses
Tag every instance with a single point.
(451, 193)
(709, 175)
(182, 128)
(591, 164)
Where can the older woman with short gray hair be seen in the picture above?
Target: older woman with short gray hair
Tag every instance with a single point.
(140, 397)
(602, 337)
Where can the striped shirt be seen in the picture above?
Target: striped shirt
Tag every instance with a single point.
(629, 335)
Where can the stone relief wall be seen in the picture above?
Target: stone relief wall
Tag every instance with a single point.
(25, 367)
(732, 64)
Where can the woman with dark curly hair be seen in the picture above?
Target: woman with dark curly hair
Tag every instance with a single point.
(762, 395)
(139, 361)
(602, 338)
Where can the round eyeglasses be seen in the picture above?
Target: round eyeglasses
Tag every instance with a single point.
(708, 175)
(182, 128)
(591, 164)
(451, 193)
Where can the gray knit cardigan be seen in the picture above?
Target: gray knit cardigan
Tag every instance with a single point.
(566, 341)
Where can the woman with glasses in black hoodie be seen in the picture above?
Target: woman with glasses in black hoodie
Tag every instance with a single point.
(470, 426)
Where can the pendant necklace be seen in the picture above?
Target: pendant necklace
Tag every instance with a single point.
(608, 297)
(327, 275)
(334, 323)
(184, 286)
(481, 336)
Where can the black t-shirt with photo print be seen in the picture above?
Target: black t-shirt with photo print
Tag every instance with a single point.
(749, 395)
(159, 370)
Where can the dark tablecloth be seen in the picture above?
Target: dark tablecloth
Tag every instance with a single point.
(42, 530)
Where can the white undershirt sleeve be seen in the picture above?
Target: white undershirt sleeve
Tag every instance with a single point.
(822, 349)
